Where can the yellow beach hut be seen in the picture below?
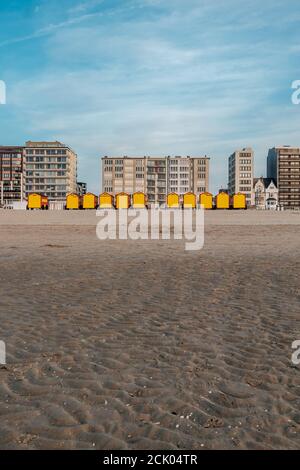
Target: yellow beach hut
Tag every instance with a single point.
(106, 201)
(206, 200)
(90, 201)
(189, 201)
(37, 201)
(238, 201)
(173, 200)
(139, 200)
(222, 201)
(122, 201)
(73, 201)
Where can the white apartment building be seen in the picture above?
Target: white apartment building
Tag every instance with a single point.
(155, 176)
(51, 169)
(241, 173)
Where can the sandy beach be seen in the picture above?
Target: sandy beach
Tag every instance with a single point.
(143, 345)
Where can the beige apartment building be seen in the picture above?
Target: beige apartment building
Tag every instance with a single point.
(155, 176)
(51, 169)
(283, 165)
(241, 174)
(12, 174)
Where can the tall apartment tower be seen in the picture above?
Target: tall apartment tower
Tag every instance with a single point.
(155, 176)
(51, 169)
(241, 173)
(12, 174)
(283, 165)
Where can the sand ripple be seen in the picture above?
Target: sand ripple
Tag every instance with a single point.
(128, 345)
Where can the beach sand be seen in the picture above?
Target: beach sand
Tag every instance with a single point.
(143, 345)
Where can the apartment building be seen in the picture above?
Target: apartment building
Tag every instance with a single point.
(123, 174)
(283, 165)
(12, 174)
(188, 174)
(51, 169)
(155, 176)
(241, 174)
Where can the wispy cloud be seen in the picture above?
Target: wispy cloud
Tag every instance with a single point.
(51, 28)
(75, 19)
(84, 6)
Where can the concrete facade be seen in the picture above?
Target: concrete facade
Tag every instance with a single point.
(12, 174)
(283, 165)
(155, 176)
(51, 169)
(241, 173)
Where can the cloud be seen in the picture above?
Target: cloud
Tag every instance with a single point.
(51, 28)
(156, 77)
(84, 6)
(73, 19)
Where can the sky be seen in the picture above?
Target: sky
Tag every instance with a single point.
(151, 77)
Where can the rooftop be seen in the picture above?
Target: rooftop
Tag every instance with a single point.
(154, 158)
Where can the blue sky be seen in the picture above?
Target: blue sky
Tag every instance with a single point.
(151, 77)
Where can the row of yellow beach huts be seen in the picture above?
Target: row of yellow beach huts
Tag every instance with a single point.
(139, 200)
